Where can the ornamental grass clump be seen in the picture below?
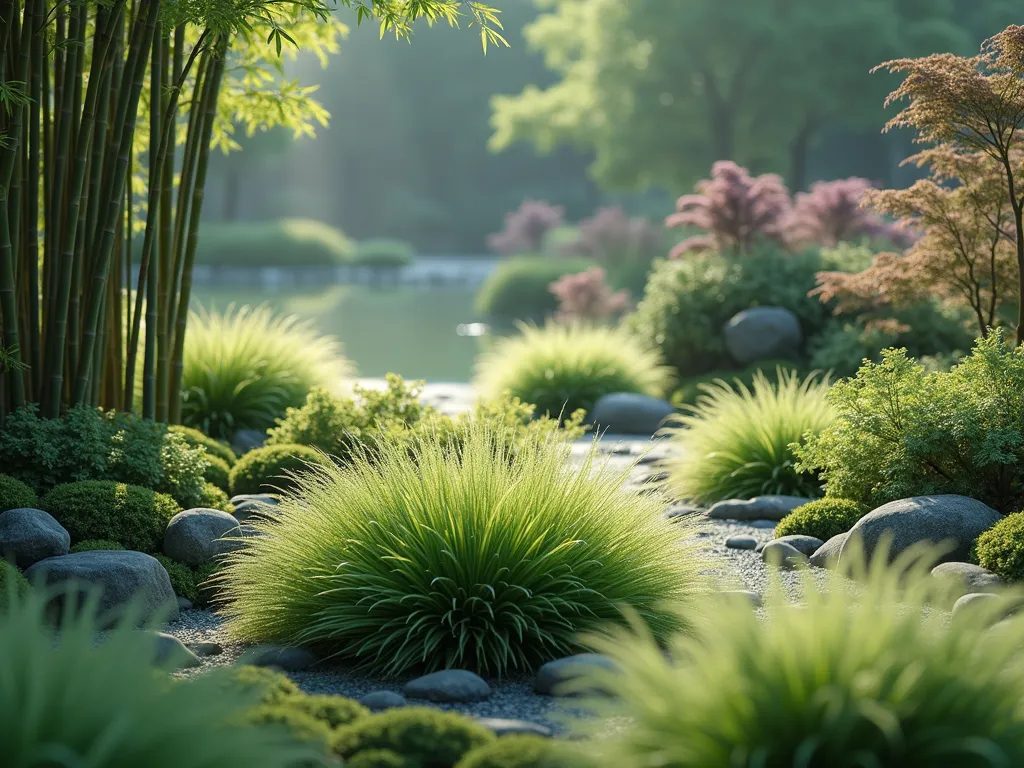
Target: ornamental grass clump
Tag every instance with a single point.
(243, 368)
(848, 679)
(489, 558)
(737, 442)
(560, 368)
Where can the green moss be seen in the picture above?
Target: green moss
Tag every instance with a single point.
(272, 687)
(436, 739)
(183, 578)
(15, 494)
(301, 726)
(93, 545)
(100, 509)
(823, 518)
(268, 468)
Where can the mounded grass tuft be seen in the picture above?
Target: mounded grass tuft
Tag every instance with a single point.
(562, 367)
(737, 441)
(850, 678)
(245, 367)
(487, 558)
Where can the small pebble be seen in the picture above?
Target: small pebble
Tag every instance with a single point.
(449, 685)
(741, 542)
(378, 701)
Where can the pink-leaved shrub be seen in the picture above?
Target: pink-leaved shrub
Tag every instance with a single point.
(587, 296)
(834, 211)
(526, 227)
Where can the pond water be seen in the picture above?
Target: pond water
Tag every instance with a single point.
(406, 330)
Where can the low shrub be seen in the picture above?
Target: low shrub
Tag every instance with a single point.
(300, 726)
(432, 738)
(96, 545)
(261, 683)
(78, 688)
(562, 368)
(13, 585)
(381, 758)
(522, 751)
(1001, 548)
(215, 498)
(197, 439)
(282, 243)
(271, 467)
(848, 678)
(518, 288)
(485, 558)
(14, 494)
(183, 578)
(243, 369)
(383, 254)
(217, 472)
(333, 711)
(822, 519)
(102, 509)
(207, 586)
(690, 389)
(738, 442)
(901, 431)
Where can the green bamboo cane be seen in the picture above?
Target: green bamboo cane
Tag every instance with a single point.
(32, 175)
(150, 255)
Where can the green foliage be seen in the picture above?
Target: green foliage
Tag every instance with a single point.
(485, 558)
(299, 725)
(271, 467)
(334, 711)
(215, 498)
(102, 509)
(522, 751)
(431, 738)
(380, 758)
(519, 288)
(195, 438)
(183, 469)
(282, 243)
(14, 494)
(822, 518)
(94, 545)
(848, 678)
(80, 687)
(13, 584)
(691, 387)
(688, 301)
(207, 585)
(262, 683)
(183, 578)
(383, 254)
(738, 441)
(217, 471)
(903, 432)
(1001, 548)
(244, 368)
(561, 368)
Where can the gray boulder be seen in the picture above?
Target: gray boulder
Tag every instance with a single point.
(950, 520)
(171, 654)
(758, 508)
(559, 677)
(626, 413)
(254, 506)
(120, 578)
(808, 545)
(195, 536)
(971, 603)
(783, 555)
(378, 701)
(763, 333)
(966, 578)
(288, 658)
(30, 535)
(448, 686)
(827, 555)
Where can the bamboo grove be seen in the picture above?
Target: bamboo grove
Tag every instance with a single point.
(109, 111)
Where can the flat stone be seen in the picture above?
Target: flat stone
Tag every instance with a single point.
(741, 542)
(448, 686)
(197, 536)
(806, 544)
(29, 535)
(744, 594)
(677, 511)
(763, 523)
(501, 727)
(559, 677)
(287, 658)
(827, 555)
(972, 602)
(783, 555)
(171, 654)
(967, 578)
(256, 498)
(758, 508)
(626, 413)
(378, 701)
(205, 649)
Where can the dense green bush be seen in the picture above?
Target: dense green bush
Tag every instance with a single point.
(688, 301)
(183, 578)
(903, 432)
(217, 472)
(82, 703)
(822, 518)
(383, 254)
(197, 439)
(15, 494)
(381, 758)
(519, 288)
(299, 725)
(561, 368)
(13, 585)
(848, 678)
(282, 243)
(216, 498)
(1001, 548)
(207, 584)
(244, 368)
(263, 684)
(521, 751)
(87, 444)
(738, 442)
(691, 388)
(271, 467)
(94, 545)
(102, 509)
(433, 739)
(334, 711)
(485, 558)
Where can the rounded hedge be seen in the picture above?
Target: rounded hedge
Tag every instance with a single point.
(822, 518)
(100, 509)
(434, 739)
(560, 368)
(215, 498)
(217, 472)
(183, 578)
(15, 494)
(382, 253)
(12, 584)
(197, 439)
(334, 711)
(381, 758)
(267, 468)
(524, 751)
(299, 725)
(519, 289)
(271, 687)
(1000, 549)
(94, 545)
(281, 243)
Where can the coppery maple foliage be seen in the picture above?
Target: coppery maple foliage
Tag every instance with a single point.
(586, 296)
(832, 213)
(734, 209)
(526, 227)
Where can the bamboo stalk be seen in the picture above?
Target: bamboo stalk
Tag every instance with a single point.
(32, 174)
(149, 254)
